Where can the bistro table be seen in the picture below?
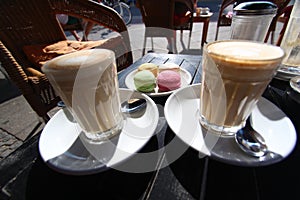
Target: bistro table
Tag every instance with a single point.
(205, 20)
(23, 175)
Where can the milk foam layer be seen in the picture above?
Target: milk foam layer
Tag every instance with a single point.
(240, 51)
(76, 60)
(235, 74)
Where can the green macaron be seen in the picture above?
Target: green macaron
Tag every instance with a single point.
(144, 81)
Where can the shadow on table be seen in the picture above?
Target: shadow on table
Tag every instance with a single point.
(45, 183)
(8, 90)
(205, 178)
(188, 168)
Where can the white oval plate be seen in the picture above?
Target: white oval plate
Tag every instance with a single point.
(186, 79)
(61, 145)
(182, 111)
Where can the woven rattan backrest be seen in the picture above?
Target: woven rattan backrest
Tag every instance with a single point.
(26, 22)
(33, 22)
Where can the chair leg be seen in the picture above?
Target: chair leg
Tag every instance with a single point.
(190, 36)
(173, 42)
(181, 33)
(272, 37)
(217, 32)
(152, 45)
(280, 37)
(144, 47)
(84, 36)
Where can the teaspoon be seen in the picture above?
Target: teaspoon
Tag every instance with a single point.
(250, 141)
(130, 106)
(133, 105)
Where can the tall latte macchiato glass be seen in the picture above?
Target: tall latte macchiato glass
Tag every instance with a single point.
(235, 74)
(87, 83)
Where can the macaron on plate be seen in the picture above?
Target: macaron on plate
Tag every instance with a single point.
(186, 79)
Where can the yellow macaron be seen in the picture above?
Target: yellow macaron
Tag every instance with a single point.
(149, 66)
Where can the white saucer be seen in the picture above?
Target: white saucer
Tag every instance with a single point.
(186, 79)
(63, 149)
(286, 73)
(182, 110)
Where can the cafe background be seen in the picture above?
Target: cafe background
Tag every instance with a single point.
(15, 129)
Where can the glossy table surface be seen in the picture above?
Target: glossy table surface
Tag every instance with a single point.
(23, 175)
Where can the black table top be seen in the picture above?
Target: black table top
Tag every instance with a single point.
(23, 175)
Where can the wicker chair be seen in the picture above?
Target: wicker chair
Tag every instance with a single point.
(158, 17)
(284, 18)
(33, 22)
(281, 8)
(185, 23)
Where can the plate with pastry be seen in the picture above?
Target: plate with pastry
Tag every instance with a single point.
(158, 80)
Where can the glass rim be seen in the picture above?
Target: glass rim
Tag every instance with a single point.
(280, 56)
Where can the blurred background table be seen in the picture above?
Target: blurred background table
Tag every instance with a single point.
(205, 20)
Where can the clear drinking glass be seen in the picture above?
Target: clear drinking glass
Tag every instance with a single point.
(87, 83)
(235, 73)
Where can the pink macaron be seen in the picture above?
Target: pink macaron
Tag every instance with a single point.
(168, 80)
